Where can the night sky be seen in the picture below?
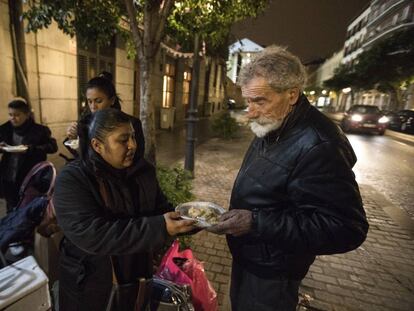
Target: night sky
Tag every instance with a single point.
(309, 28)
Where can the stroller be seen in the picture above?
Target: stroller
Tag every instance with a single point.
(35, 208)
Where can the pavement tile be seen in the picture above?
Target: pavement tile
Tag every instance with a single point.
(338, 290)
(323, 278)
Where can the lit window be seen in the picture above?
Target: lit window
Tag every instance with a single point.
(168, 86)
(186, 87)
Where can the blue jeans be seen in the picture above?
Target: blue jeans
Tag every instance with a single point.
(249, 292)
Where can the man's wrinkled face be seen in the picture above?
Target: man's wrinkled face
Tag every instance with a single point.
(267, 108)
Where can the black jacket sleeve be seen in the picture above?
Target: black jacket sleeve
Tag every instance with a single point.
(162, 202)
(81, 217)
(326, 215)
(47, 143)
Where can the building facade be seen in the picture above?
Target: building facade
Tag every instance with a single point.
(317, 95)
(355, 37)
(387, 17)
(381, 19)
(58, 67)
(240, 53)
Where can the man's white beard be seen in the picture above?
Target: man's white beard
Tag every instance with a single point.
(262, 126)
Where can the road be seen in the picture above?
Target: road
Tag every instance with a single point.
(387, 165)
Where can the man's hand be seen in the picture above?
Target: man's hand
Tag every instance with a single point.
(235, 222)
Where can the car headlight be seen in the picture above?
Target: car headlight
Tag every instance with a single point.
(356, 117)
(383, 119)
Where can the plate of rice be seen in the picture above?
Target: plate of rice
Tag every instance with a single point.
(206, 214)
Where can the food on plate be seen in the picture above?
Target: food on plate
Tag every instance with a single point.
(20, 148)
(72, 143)
(205, 213)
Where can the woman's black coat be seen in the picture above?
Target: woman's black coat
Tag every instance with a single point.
(39, 140)
(94, 234)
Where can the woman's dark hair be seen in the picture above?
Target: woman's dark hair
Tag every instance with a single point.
(20, 104)
(98, 125)
(103, 82)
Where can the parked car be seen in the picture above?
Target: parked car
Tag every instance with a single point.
(364, 118)
(402, 121)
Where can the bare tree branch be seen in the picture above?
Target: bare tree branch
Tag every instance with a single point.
(163, 15)
(136, 34)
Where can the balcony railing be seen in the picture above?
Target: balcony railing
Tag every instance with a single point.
(382, 8)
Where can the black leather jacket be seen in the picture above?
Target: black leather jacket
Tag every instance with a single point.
(298, 181)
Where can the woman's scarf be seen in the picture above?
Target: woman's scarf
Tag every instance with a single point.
(114, 185)
(24, 128)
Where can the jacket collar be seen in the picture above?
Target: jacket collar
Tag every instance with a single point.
(292, 122)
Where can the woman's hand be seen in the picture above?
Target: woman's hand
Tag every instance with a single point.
(175, 224)
(72, 130)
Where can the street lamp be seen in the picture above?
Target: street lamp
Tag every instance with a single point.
(207, 7)
(192, 112)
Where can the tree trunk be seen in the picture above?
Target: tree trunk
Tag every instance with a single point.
(395, 97)
(147, 111)
(17, 39)
(398, 96)
(147, 43)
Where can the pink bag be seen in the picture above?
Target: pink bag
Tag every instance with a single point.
(191, 272)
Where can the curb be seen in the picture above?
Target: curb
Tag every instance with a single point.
(401, 136)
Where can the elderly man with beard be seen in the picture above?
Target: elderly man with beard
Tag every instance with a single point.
(295, 196)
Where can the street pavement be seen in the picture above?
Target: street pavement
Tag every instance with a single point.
(379, 275)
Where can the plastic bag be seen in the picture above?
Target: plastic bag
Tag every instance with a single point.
(188, 271)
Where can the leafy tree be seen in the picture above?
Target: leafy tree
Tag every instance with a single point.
(148, 21)
(211, 19)
(343, 77)
(225, 126)
(388, 65)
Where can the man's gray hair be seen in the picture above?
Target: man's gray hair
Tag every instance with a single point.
(280, 68)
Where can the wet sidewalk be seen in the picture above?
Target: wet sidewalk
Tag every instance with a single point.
(377, 276)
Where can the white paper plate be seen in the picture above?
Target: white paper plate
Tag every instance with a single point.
(202, 222)
(72, 143)
(20, 148)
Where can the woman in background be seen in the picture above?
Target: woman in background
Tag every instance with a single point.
(101, 94)
(111, 209)
(35, 141)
